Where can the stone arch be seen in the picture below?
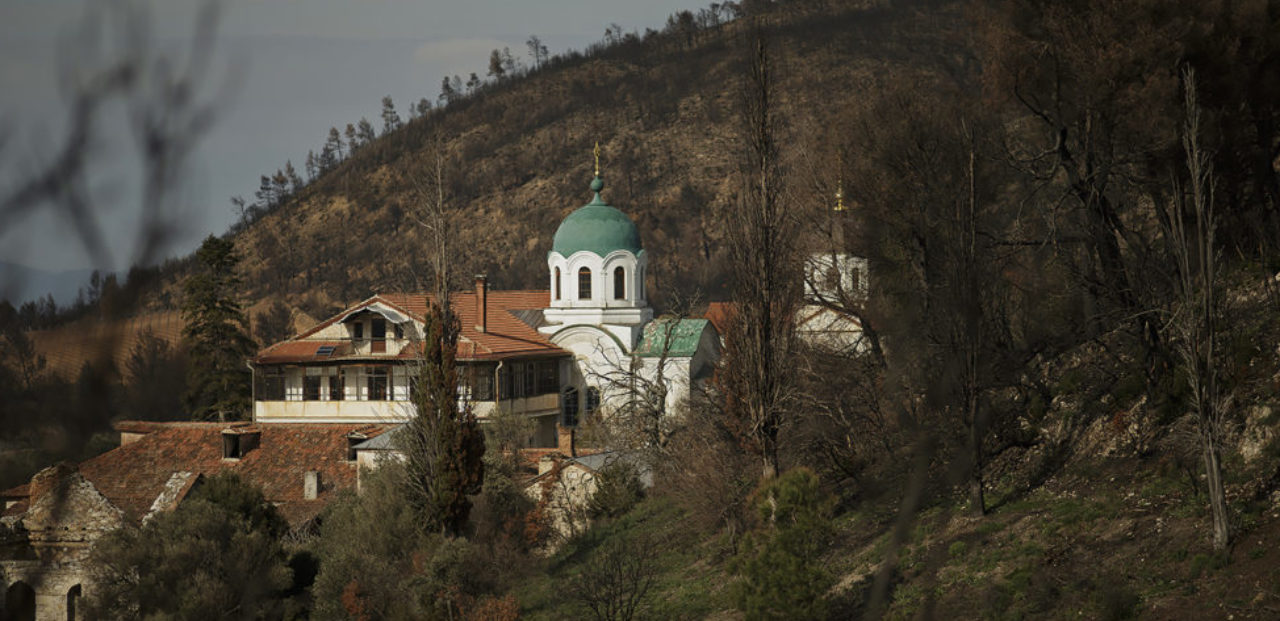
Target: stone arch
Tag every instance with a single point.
(73, 602)
(20, 602)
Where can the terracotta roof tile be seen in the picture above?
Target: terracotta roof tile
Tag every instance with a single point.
(720, 314)
(133, 475)
(505, 336)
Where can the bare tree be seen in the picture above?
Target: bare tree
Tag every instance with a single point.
(616, 582)
(758, 377)
(1196, 319)
(636, 417)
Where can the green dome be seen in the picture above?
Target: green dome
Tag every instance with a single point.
(598, 228)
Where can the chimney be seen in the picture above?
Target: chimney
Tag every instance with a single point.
(482, 302)
(310, 485)
(564, 440)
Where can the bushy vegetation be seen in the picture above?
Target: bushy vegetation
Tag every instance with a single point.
(218, 554)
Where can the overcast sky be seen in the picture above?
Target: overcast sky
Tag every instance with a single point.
(300, 66)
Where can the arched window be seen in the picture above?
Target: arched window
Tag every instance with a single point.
(569, 407)
(557, 283)
(619, 283)
(584, 283)
(593, 398)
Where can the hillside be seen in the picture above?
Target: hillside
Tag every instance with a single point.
(1064, 400)
(518, 158)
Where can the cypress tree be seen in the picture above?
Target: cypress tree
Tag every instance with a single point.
(443, 444)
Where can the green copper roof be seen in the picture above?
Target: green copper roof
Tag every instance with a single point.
(677, 337)
(596, 227)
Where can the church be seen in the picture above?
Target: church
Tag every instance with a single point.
(557, 355)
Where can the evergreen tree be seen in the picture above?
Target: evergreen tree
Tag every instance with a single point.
(364, 129)
(328, 159)
(446, 92)
(509, 63)
(423, 107)
(496, 70)
(782, 573)
(334, 144)
(312, 165)
(266, 193)
(216, 335)
(280, 184)
(390, 119)
(353, 141)
(295, 181)
(443, 443)
(473, 83)
(152, 370)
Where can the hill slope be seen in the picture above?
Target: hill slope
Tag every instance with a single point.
(518, 158)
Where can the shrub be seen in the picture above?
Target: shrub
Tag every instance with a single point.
(782, 576)
(200, 560)
(618, 489)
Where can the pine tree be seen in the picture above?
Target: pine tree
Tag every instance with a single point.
(280, 185)
(443, 442)
(473, 83)
(295, 181)
(496, 70)
(510, 65)
(390, 120)
(446, 92)
(364, 129)
(334, 144)
(312, 165)
(216, 335)
(353, 141)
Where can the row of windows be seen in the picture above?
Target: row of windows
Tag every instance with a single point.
(584, 283)
(515, 380)
(333, 384)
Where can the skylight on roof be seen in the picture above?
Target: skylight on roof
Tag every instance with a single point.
(326, 350)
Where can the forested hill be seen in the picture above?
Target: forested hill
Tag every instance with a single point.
(517, 154)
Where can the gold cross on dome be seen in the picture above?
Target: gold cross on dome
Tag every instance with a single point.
(597, 154)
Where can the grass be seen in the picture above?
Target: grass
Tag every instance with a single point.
(685, 586)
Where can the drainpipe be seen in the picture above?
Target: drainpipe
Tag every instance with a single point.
(497, 394)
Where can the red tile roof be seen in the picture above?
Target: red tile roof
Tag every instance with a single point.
(505, 336)
(133, 475)
(720, 314)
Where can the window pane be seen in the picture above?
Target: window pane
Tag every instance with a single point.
(619, 283)
(311, 388)
(337, 387)
(377, 381)
(584, 284)
(379, 328)
(548, 377)
(569, 407)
